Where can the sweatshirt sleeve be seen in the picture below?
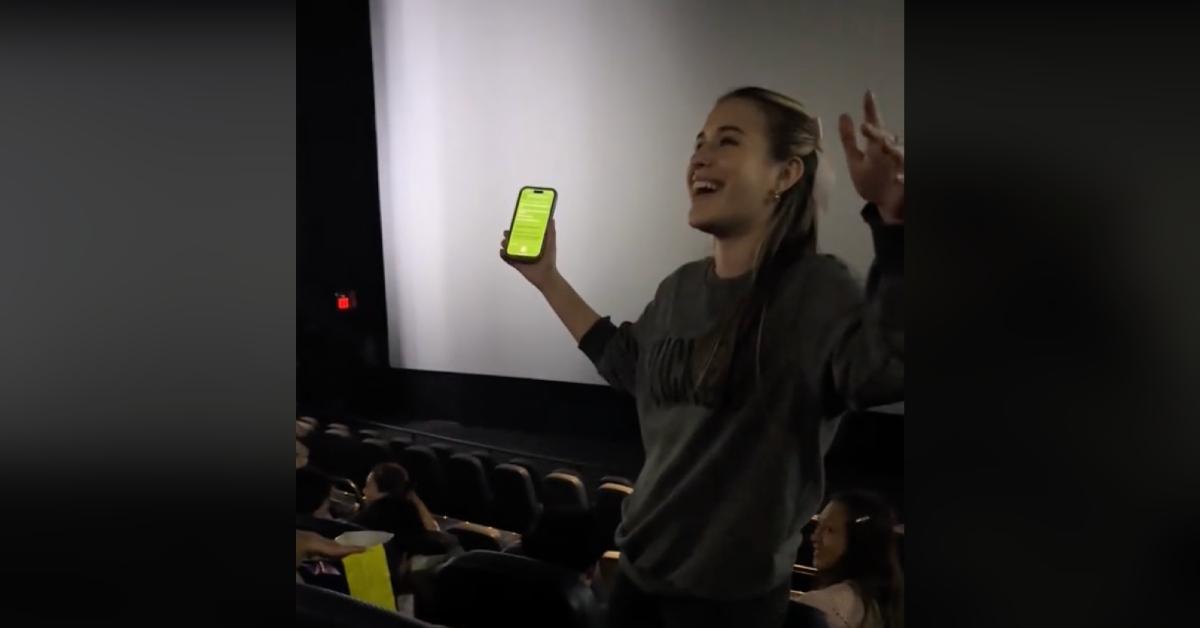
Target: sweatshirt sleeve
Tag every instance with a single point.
(862, 354)
(614, 349)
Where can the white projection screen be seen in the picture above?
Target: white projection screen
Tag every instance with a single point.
(600, 99)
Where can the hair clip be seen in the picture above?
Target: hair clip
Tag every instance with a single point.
(863, 519)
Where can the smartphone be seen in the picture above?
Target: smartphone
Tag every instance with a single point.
(531, 219)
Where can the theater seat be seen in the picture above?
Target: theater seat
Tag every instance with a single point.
(517, 505)
(398, 444)
(804, 553)
(470, 490)
(564, 489)
(328, 528)
(443, 451)
(486, 459)
(609, 497)
(487, 589)
(473, 536)
(427, 475)
(616, 479)
(345, 498)
(433, 543)
(335, 452)
(534, 473)
(322, 608)
(374, 451)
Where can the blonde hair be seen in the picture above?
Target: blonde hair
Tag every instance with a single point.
(792, 133)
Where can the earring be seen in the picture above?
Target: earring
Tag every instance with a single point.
(775, 196)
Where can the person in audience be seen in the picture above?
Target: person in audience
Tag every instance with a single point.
(313, 502)
(418, 547)
(313, 491)
(565, 537)
(397, 514)
(387, 478)
(391, 479)
(860, 583)
(756, 348)
(401, 514)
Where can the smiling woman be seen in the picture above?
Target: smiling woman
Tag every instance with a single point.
(757, 348)
(856, 554)
(474, 101)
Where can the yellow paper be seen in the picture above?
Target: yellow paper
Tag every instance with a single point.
(369, 579)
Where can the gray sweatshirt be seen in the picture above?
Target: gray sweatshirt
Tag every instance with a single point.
(718, 508)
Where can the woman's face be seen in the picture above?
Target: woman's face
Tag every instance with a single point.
(731, 178)
(371, 490)
(829, 539)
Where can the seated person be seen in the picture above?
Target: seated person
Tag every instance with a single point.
(414, 534)
(313, 491)
(386, 478)
(417, 549)
(393, 513)
(859, 582)
(391, 479)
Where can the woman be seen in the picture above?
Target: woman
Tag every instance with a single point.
(742, 362)
(390, 480)
(860, 584)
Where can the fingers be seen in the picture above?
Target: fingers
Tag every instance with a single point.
(342, 551)
(896, 153)
(876, 134)
(849, 141)
(871, 111)
(886, 141)
(312, 544)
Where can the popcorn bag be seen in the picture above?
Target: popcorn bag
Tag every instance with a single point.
(367, 573)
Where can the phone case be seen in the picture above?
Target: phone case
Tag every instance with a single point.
(512, 221)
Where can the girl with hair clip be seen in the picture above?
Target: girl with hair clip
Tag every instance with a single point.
(860, 584)
(744, 360)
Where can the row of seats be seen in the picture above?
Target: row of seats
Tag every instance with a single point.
(478, 589)
(482, 589)
(467, 485)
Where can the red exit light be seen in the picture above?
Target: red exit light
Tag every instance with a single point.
(345, 301)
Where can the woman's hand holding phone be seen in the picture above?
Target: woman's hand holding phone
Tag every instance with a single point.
(542, 272)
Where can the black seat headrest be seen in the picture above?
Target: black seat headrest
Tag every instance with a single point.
(483, 588)
(322, 608)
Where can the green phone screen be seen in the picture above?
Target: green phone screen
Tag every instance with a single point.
(530, 220)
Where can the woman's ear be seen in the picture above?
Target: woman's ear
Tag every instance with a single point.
(790, 174)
